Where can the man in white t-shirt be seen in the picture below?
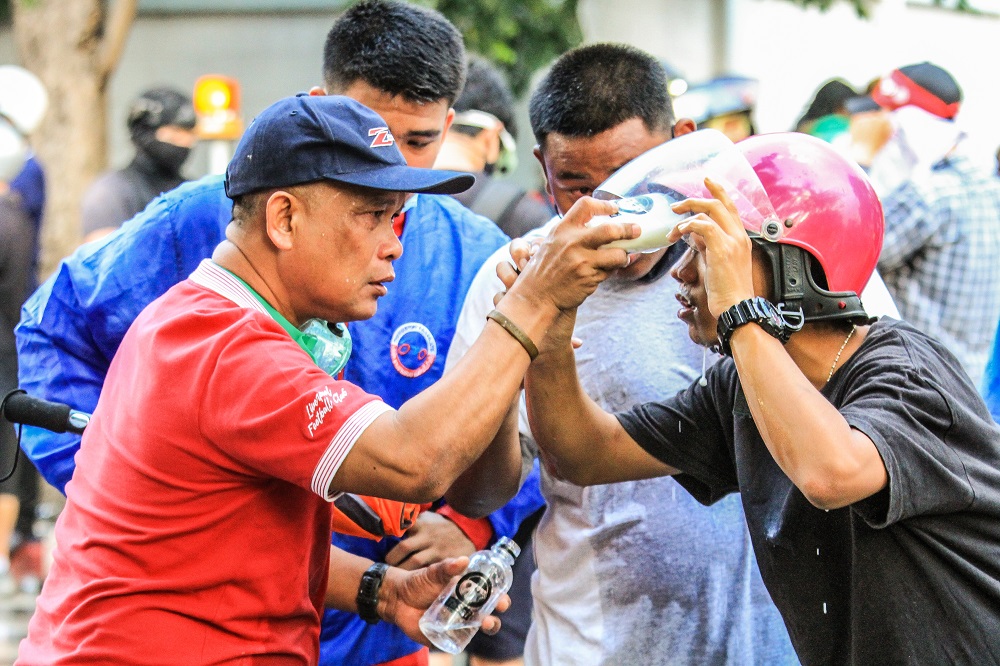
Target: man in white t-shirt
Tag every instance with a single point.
(635, 572)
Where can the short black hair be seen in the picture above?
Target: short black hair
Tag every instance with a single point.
(248, 207)
(399, 48)
(487, 90)
(596, 87)
(831, 97)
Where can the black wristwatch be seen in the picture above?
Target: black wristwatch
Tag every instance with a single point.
(757, 310)
(367, 599)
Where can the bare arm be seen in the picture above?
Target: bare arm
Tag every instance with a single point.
(587, 445)
(416, 453)
(494, 477)
(832, 464)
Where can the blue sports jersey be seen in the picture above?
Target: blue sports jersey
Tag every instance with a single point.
(72, 325)
(400, 352)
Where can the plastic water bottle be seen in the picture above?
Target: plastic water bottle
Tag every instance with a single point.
(654, 216)
(455, 616)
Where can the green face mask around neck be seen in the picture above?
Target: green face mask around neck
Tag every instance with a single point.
(329, 345)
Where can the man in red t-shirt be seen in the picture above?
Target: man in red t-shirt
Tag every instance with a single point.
(196, 528)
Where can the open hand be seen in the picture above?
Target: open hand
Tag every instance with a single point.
(431, 539)
(405, 595)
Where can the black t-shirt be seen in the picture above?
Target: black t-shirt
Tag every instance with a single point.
(909, 575)
(118, 196)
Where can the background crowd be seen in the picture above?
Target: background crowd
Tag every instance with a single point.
(582, 593)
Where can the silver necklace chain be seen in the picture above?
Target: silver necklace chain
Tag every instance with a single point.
(841, 351)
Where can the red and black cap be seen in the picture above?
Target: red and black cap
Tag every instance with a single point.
(924, 85)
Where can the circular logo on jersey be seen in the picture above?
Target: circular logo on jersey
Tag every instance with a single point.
(413, 349)
(473, 589)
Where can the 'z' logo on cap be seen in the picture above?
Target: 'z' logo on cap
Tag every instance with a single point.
(382, 137)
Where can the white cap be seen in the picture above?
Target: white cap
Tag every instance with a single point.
(13, 151)
(23, 98)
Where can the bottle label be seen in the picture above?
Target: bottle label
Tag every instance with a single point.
(472, 591)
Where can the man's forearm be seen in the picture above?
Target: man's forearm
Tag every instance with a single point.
(494, 477)
(421, 449)
(563, 419)
(346, 570)
(585, 444)
(832, 464)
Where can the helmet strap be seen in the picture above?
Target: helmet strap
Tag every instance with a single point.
(797, 296)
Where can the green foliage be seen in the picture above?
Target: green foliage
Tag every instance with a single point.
(860, 6)
(957, 5)
(520, 36)
(863, 7)
(7, 9)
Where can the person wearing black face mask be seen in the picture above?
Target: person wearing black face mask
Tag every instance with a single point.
(161, 125)
(481, 141)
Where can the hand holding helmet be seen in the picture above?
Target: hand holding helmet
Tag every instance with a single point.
(717, 233)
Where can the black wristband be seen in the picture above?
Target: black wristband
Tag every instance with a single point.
(367, 599)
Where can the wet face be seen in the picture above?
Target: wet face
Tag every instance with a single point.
(418, 127)
(689, 271)
(343, 246)
(691, 294)
(575, 166)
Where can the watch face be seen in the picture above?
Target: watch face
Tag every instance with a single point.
(771, 318)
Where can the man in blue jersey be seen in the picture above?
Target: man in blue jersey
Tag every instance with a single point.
(406, 63)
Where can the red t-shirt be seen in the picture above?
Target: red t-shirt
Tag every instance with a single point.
(197, 524)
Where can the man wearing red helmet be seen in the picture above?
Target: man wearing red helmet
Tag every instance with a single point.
(868, 466)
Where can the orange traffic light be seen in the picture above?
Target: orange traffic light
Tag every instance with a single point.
(217, 105)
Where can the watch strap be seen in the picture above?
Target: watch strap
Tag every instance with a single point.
(756, 310)
(367, 599)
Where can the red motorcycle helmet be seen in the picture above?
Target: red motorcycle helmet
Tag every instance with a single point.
(826, 240)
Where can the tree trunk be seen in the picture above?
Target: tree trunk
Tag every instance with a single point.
(73, 48)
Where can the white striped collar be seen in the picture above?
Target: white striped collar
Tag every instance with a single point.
(215, 278)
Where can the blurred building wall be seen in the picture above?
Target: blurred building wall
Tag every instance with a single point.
(272, 55)
(792, 51)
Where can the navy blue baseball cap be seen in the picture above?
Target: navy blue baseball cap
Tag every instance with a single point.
(309, 138)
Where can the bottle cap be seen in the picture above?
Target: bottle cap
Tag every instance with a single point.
(505, 545)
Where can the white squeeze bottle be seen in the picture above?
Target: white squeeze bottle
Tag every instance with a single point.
(455, 616)
(653, 215)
